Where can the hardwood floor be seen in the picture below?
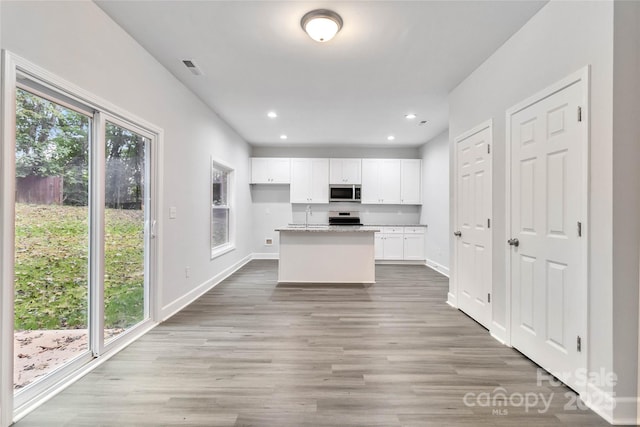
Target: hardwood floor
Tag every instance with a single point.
(254, 353)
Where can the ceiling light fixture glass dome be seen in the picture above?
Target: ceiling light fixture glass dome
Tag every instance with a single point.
(321, 24)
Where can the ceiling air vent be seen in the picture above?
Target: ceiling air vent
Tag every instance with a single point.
(192, 67)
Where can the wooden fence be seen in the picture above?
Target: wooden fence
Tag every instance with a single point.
(39, 190)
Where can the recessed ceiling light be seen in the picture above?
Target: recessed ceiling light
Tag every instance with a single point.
(272, 114)
(391, 138)
(410, 116)
(283, 136)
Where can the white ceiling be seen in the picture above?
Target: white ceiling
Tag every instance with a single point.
(391, 58)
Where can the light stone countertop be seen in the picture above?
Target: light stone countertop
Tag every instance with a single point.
(321, 228)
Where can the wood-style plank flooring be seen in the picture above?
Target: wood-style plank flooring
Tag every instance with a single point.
(254, 353)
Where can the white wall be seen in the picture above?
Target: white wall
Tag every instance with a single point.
(435, 200)
(271, 207)
(78, 42)
(561, 39)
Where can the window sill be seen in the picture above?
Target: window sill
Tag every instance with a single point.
(221, 250)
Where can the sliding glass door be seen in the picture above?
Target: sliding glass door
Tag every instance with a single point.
(52, 238)
(83, 234)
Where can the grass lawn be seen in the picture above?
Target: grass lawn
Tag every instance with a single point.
(51, 267)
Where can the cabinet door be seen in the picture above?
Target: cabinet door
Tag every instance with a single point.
(370, 173)
(389, 181)
(352, 171)
(280, 171)
(379, 245)
(301, 176)
(411, 181)
(259, 171)
(393, 246)
(319, 185)
(335, 171)
(265, 170)
(414, 246)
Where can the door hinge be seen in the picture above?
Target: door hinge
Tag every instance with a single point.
(579, 229)
(488, 297)
(488, 148)
(488, 222)
(579, 114)
(579, 344)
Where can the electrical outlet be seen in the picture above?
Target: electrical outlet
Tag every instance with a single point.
(268, 242)
(187, 272)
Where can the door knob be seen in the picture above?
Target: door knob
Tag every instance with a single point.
(514, 242)
(457, 233)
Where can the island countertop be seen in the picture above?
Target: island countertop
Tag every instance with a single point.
(320, 228)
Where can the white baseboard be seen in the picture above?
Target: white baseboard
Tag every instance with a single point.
(452, 300)
(438, 267)
(499, 333)
(398, 262)
(266, 255)
(171, 309)
(599, 401)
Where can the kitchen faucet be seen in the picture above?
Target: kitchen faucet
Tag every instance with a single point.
(307, 212)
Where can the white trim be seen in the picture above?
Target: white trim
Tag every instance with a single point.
(265, 255)
(437, 267)
(222, 249)
(7, 230)
(56, 388)
(581, 75)
(498, 332)
(599, 401)
(488, 124)
(399, 262)
(452, 300)
(171, 309)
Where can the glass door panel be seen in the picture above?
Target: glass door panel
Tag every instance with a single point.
(125, 240)
(51, 237)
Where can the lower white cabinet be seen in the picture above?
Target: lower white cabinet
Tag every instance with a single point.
(414, 243)
(400, 243)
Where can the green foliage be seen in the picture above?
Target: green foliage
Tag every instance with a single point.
(51, 274)
(52, 140)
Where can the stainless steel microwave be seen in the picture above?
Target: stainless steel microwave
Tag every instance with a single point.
(344, 193)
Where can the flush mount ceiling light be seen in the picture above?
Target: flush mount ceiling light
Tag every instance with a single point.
(321, 24)
(410, 116)
(272, 114)
(391, 138)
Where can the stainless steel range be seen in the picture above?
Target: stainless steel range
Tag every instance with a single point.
(344, 218)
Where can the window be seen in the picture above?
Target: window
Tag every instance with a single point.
(221, 227)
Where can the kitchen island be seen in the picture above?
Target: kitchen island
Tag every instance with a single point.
(327, 254)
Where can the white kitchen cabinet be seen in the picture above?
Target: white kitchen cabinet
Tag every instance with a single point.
(389, 244)
(410, 182)
(345, 171)
(414, 243)
(400, 243)
(381, 179)
(270, 170)
(309, 180)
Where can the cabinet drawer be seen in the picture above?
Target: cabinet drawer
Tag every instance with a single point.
(392, 229)
(414, 230)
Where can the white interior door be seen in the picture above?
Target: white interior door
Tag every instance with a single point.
(473, 234)
(548, 289)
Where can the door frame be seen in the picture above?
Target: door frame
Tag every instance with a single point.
(453, 295)
(582, 75)
(12, 66)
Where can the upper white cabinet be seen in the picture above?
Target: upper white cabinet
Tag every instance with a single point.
(345, 171)
(410, 182)
(270, 170)
(309, 180)
(381, 181)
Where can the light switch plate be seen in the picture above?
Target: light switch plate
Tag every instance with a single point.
(173, 212)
